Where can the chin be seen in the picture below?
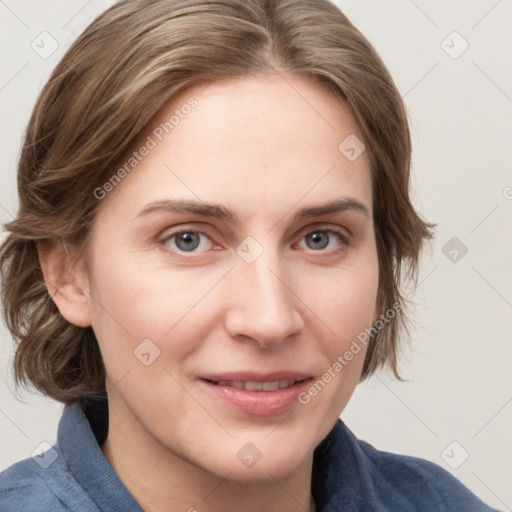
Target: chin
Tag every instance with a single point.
(259, 462)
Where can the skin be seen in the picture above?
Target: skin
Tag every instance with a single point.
(265, 150)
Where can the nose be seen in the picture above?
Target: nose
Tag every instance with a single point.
(264, 306)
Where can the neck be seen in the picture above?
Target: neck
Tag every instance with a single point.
(161, 480)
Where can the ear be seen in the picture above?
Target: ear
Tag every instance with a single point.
(65, 286)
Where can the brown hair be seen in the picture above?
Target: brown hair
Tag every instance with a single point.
(116, 76)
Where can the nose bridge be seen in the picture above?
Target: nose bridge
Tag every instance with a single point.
(266, 308)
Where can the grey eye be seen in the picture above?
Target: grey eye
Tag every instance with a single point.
(317, 240)
(187, 241)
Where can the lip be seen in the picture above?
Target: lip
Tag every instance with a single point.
(257, 377)
(258, 403)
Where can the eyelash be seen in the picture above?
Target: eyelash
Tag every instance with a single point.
(345, 239)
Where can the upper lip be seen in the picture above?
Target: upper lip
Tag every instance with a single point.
(256, 377)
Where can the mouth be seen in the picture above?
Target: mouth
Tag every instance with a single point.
(260, 395)
(248, 385)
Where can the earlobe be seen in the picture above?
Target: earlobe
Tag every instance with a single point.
(66, 287)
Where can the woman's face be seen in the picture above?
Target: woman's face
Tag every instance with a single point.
(239, 249)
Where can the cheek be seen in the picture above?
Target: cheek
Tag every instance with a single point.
(137, 296)
(134, 299)
(344, 298)
(345, 305)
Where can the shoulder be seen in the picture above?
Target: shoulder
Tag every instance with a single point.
(27, 486)
(418, 482)
(23, 487)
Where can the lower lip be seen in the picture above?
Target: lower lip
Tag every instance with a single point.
(258, 403)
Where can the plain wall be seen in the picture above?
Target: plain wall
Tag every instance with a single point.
(458, 368)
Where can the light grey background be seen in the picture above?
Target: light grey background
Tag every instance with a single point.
(460, 107)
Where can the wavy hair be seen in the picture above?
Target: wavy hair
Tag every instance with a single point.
(115, 77)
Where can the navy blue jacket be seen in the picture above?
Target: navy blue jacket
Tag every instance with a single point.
(349, 475)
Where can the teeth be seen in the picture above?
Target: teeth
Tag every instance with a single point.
(257, 386)
(254, 386)
(271, 386)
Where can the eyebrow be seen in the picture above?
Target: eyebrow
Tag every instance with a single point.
(221, 212)
(339, 205)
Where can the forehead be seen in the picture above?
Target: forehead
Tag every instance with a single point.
(247, 143)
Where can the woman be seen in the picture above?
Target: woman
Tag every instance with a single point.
(214, 213)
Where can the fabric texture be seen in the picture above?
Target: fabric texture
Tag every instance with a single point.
(349, 475)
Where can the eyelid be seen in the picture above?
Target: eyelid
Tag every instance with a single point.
(184, 228)
(344, 234)
(172, 232)
(345, 237)
(340, 230)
